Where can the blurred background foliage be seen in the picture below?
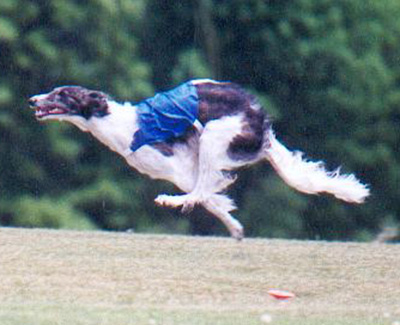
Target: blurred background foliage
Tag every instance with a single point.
(327, 72)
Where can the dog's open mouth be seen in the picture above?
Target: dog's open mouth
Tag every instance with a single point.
(43, 110)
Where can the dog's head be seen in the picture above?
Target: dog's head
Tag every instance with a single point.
(70, 101)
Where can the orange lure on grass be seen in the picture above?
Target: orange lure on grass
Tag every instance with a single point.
(281, 294)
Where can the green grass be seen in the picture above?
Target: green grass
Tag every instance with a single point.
(67, 277)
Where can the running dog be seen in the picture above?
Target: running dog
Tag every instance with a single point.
(194, 136)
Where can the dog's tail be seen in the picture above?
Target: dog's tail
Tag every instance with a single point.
(311, 177)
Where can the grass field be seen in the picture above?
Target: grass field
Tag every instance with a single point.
(67, 277)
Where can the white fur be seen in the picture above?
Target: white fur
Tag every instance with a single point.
(195, 167)
(115, 130)
(213, 158)
(203, 81)
(311, 177)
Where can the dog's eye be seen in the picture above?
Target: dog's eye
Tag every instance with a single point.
(94, 95)
(62, 93)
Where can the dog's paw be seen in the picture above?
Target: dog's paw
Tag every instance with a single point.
(163, 200)
(187, 201)
(237, 233)
(173, 201)
(235, 229)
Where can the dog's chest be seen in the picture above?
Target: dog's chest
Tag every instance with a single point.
(116, 130)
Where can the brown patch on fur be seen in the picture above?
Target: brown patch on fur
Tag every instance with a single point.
(167, 148)
(226, 99)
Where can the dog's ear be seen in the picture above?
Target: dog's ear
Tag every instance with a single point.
(93, 103)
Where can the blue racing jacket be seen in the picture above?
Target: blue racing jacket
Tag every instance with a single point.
(167, 115)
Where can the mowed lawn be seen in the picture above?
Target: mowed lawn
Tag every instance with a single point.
(69, 277)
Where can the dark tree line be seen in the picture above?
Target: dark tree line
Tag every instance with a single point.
(327, 72)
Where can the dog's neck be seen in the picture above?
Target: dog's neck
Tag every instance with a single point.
(116, 129)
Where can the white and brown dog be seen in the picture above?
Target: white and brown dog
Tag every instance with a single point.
(194, 136)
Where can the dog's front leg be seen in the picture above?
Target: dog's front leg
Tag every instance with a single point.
(220, 206)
